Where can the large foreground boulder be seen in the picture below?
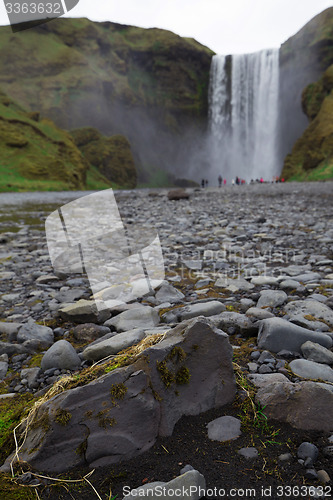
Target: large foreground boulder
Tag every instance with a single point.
(120, 414)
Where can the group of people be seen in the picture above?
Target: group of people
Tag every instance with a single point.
(239, 181)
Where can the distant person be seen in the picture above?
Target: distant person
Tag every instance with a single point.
(237, 180)
(220, 180)
(206, 182)
(233, 182)
(261, 180)
(203, 183)
(224, 181)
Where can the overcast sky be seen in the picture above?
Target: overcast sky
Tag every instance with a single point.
(226, 26)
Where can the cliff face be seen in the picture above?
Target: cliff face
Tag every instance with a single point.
(303, 59)
(35, 154)
(149, 85)
(38, 155)
(312, 154)
(111, 156)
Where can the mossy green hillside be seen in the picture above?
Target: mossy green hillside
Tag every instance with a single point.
(149, 85)
(111, 156)
(312, 156)
(303, 59)
(36, 154)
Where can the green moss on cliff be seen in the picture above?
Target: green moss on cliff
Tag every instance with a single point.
(111, 156)
(147, 84)
(35, 154)
(312, 156)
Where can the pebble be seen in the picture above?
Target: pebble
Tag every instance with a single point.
(307, 450)
(224, 428)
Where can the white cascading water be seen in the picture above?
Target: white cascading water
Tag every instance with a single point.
(243, 115)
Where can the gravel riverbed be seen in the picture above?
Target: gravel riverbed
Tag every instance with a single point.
(257, 262)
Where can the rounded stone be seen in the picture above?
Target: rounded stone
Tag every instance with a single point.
(61, 355)
(248, 452)
(224, 429)
(307, 450)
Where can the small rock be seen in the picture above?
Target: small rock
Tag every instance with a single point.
(307, 450)
(113, 345)
(140, 317)
(32, 331)
(31, 375)
(61, 355)
(207, 309)
(315, 352)
(323, 477)
(3, 369)
(311, 370)
(311, 474)
(272, 298)
(248, 453)
(84, 311)
(89, 332)
(224, 429)
(178, 194)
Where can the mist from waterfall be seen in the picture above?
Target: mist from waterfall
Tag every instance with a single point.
(243, 115)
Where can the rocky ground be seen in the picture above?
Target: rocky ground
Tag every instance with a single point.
(257, 262)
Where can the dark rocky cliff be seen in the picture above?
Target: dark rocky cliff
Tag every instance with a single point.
(303, 60)
(147, 84)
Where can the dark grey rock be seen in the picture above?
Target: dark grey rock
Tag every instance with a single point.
(31, 331)
(233, 322)
(31, 375)
(272, 298)
(315, 352)
(310, 307)
(61, 355)
(161, 386)
(206, 309)
(186, 469)
(311, 474)
(257, 313)
(84, 311)
(168, 293)
(3, 369)
(305, 405)
(10, 329)
(308, 450)
(89, 332)
(311, 370)
(69, 295)
(12, 349)
(276, 334)
(113, 345)
(140, 317)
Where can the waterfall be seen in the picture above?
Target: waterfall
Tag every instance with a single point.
(243, 115)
